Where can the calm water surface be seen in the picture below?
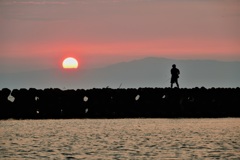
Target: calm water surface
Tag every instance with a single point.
(120, 139)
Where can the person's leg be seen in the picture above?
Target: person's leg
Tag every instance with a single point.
(177, 83)
(172, 81)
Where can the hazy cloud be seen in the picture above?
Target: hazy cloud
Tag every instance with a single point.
(33, 2)
(200, 28)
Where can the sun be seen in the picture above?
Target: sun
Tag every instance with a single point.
(70, 63)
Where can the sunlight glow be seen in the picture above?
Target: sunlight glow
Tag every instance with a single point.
(70, 63)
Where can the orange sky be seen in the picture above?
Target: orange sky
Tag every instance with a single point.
(37, 34)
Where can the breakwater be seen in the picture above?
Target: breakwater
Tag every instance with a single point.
(119, 103)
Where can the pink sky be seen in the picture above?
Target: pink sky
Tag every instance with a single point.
(36, 34)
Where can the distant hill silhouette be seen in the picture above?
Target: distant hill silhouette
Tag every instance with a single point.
(147, 72)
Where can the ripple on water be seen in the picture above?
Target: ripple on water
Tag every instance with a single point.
(120, 139)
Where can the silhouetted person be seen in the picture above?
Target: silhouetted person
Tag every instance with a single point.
(175, 75)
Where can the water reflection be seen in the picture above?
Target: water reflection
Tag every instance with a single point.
(120, 139)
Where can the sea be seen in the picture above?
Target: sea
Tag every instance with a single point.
(96, 139)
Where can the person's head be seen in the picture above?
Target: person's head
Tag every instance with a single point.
(174, 65)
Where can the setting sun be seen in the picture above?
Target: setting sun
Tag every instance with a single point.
(70, 63)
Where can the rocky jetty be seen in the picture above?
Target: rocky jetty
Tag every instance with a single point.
(119, 103)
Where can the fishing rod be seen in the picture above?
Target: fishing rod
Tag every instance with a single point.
(120, 86)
